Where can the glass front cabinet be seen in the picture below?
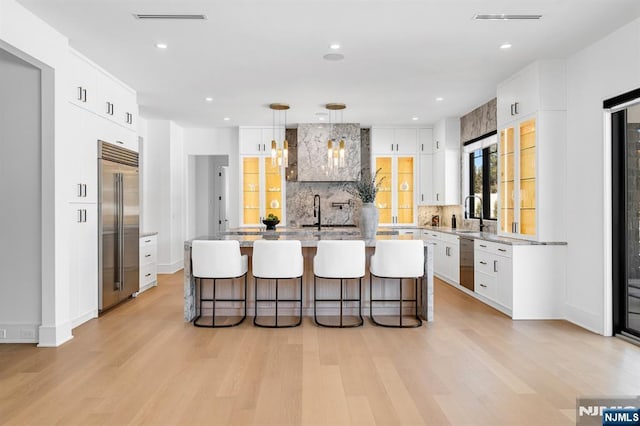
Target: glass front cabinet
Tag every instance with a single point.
(262, 183)
(262, 190)
(517, 170)
(396, 198)
(531, 177)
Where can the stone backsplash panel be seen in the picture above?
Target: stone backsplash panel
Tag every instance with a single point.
(312, 152)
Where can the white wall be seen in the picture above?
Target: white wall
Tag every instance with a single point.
(605, 69)
(30, 38)
(20, 182)
(177, 205)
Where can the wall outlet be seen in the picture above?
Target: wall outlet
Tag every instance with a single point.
(3, 333)
(27, 333)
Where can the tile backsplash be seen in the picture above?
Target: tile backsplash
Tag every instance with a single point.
(445, 213)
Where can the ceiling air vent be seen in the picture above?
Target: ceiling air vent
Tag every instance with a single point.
(171, 16)
(503, 17)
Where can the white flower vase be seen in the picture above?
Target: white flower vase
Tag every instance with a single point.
(368, 221)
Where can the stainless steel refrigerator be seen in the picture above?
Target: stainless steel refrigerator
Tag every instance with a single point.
(119, 219)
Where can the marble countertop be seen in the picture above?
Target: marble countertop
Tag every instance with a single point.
(308, 237)
(488, 236)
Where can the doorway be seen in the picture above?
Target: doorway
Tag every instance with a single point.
(625, 137)
(208, 195)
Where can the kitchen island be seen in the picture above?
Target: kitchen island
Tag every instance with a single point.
(309, 239)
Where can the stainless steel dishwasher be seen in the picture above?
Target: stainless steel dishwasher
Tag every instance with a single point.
(466, 263)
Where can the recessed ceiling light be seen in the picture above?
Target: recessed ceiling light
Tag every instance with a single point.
(333, 56)
(161, 45)
(505, 46)
(439, 99)
(321, 118)
(334, 46)
(414, 118)
(208, 99)
(226, 119)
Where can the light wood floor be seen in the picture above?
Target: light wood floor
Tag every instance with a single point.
(141, 364)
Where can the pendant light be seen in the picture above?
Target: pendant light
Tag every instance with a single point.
(335, 152)
(279, 157)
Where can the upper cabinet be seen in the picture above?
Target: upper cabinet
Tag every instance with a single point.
(446, 162)
(394, 141)
(539, 86)
(257, 140)
(94, 90)
(531, 152)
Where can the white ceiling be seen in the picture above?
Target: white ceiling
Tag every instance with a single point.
(400, 54)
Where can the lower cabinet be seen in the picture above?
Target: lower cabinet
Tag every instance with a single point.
(446, 255)
(148, 262)
(493, 272)
(523, 281)
(83, 262)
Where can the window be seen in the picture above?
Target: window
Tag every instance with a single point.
(483, 178)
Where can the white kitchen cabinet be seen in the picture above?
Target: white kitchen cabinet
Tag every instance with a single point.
(396, 198)
(82, 86)
(539, 86)
(394, 141)
(95, 90)
(257, 140)
(531, 176)
(524, 281)
(494, 272)
(446, 162)
(531, 169)
(425, 141)
(263, 184)
(446, 261)
(83, 262)
(148, 262)
(426, 173)
(83, 157)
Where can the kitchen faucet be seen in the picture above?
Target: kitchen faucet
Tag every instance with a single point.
(317, 213)
(481, 209)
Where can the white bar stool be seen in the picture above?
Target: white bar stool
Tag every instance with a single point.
(341, 260)
(218, 260)
(397, 259)
(277, 260)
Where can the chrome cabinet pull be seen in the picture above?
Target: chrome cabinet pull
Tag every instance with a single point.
(495, 266)
(147, 241)
(483, 263)
(79, 190)
(503, 250)
(391, 147)
(79, 93)
(84, 95)
(482, 245)
(147, 275)
(397, 149)
(147, 255)
(483, 286)
(515, 108)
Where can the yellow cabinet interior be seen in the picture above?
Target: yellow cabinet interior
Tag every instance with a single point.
(397, 185)
(261, 189)
(518, 178)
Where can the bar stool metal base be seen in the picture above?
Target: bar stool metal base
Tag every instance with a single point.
(214, 300)
(276, 300)
(360, 321)
(400, 300)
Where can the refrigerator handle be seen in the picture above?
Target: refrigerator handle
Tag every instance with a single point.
(117, 284)
(121, 229)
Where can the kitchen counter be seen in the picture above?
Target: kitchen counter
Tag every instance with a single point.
(309, 239)
(487, 236)
(147, 234)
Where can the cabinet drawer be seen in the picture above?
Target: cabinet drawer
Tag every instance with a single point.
(486, 285)
(149, 240)
(148, 274)
(495, 248)
(148, 254)
(484, 262)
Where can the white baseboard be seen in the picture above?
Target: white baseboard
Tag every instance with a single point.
(580, 317)
(19, 333)
(53, 336)
(84, 318)
(146, 287)
(170, 268)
